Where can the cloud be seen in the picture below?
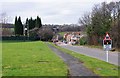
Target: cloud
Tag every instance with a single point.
(65, 12)
(51, 11)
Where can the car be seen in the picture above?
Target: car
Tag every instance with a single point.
(65, 42)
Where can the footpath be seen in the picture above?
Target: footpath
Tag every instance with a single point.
(75, 66)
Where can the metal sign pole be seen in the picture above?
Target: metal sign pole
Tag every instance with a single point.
(107, 45)
(106, 56)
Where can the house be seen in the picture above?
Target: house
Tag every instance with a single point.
(57, 38)
(72, 37)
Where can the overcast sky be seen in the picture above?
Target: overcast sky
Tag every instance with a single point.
(50, 11)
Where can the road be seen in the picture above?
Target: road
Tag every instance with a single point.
(94, 52)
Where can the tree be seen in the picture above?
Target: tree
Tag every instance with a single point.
(20, 26)
(31, 23)
(118, 5)
(38, 22)
(3, 17)
(46, 34)
(33, 33)
(98, 23)
(26, 23)
(85, 20)
(115, 29)
(16, 28)
(104, 18)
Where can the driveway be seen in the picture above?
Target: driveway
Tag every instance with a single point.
(94, 52)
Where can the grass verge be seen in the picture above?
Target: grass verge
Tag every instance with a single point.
(93, 46)
(0, 58)
(62, 33)
(30, 59)
(97, 66)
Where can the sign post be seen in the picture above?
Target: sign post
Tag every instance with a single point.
(107, 45)
(106, 56)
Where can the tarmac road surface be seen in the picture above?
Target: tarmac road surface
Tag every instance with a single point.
(95, 53)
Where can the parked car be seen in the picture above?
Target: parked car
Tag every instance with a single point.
(65, 42)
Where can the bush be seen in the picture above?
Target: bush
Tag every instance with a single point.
(83, 41)
(33, 34)
(45, 34)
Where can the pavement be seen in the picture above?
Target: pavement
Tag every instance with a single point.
(75, 66)
(94, 52)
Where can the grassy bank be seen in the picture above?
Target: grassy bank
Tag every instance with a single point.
(99, 67)
(0, 58)
(30, 59)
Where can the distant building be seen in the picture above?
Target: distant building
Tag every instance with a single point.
(72, 37)
(6, 29)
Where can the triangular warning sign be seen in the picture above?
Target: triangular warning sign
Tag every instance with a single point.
(107, 37)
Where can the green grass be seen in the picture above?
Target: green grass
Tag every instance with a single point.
(30, 59)
(0, 59)
(99, 67)
(62, 33)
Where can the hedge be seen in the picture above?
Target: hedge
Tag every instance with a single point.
(20, 38)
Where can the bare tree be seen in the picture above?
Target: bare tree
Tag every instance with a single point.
(45, 34)
(85, 20)
(115, 26)
(3, 17)
(118, 23)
